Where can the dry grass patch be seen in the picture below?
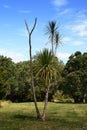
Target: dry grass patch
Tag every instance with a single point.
(4, 103)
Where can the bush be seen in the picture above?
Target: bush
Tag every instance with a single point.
(61, 98)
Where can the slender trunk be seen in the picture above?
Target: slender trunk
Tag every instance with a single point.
(32, 80)
(31, 68)
(52, 45)
(85, 97)
(45, 104)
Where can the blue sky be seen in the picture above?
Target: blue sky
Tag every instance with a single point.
(70, 15)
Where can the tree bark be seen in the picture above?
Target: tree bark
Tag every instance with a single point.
(85, 97)
(31, 68)
(52, 45)
(45, 104)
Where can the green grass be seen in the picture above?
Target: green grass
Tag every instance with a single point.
(22, 116)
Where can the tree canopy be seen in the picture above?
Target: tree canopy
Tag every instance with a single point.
(75, 76)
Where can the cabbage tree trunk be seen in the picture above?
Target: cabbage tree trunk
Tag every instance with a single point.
(45, 104)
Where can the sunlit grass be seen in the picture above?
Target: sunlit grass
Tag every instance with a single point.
(22, 116)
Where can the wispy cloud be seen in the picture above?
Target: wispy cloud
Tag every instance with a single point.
(77, 43)
(60, 2)
(6, 6)
(65, 11)
(25, 11)
(80, 28)
(66, 39)
(15, 56)
(22, 32)
(63, 55)
(81, 14)
(73, 42)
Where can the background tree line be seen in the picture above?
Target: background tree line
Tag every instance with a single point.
(71, 80)
(15, 81)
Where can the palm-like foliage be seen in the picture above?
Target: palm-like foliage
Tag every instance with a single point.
(46, 66)
(54, 36)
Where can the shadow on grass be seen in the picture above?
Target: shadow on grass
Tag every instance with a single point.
(25, 117)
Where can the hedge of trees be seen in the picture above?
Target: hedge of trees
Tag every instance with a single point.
(15, 81)
(71, 80)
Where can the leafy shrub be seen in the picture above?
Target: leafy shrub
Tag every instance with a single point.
(61, 98)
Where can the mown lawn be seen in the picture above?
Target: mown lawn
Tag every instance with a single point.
(21, 116)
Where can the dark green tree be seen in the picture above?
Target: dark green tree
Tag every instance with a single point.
(21, 92)
(74, 77)
(7, 76)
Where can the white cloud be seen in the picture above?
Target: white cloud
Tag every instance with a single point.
(66, 11)
(15, 56)
(66, 39)
(63, 55)
(81, 14)
(59, 2)
(25, 11)
(77, 43)
(80, 28)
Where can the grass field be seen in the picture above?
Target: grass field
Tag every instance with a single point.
(21, 116)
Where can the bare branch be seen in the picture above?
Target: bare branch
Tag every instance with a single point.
(27, 27)
(33, 26)
(30, 32)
